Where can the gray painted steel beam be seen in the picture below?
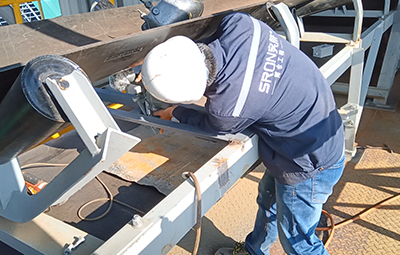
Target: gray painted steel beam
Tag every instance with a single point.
(136, 117)
(343, 88)
(348, 14)
(45, 235)
(390, 63)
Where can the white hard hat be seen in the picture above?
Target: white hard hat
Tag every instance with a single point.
(175, 72)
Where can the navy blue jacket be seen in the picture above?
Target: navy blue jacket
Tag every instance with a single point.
(266, 84)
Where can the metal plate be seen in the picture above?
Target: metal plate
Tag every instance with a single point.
(160, 160)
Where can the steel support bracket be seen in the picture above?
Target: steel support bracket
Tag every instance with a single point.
(103, 138)
(349, 112)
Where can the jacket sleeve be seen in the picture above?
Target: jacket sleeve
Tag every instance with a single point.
(210, 122)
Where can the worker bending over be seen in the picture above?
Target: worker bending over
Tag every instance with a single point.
(253, 78)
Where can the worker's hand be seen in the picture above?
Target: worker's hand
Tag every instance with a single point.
(165, 114)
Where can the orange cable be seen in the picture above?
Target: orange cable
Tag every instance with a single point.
(366, 211)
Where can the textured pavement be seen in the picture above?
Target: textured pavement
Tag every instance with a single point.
(371, 176)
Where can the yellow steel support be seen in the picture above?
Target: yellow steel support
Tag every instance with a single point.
(112, 1)
(17, 10)
(40, 9)
(17, 13)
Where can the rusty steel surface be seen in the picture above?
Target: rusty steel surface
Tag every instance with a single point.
(160, 160)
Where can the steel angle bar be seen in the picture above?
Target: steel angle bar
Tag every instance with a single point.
(386, 22)
(349, 14)
(357, 13)
(175, 215)
(113, 96)
(337, 65)
(316, 6)
(356, 89)
(150, 121)
(326, 37)
(370, 63)
(354, 99)
(343, 88)
(369, 35)
(45, 235)
(391, 60)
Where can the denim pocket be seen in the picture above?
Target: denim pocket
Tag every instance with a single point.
(323, 182)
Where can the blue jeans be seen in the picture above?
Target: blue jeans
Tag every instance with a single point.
(292, 212)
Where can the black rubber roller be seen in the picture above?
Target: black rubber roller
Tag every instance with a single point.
(29, 113)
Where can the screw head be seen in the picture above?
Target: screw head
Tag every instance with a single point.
(155, 11)
(63, 84)
(137, 221)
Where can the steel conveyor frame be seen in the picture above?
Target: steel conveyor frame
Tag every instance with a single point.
(352, 56)
(161, 228)
(387, 19)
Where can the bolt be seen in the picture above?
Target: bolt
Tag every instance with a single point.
(137, 221)
(74, 245)
(155, 11)
(63, 84)
(142, 14)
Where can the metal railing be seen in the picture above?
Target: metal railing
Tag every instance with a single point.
(29, 12)
(19, 13)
